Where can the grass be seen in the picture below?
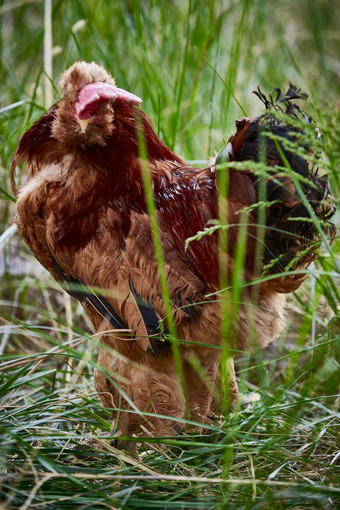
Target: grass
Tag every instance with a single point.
(195, 65)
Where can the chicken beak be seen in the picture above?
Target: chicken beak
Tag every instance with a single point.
(83, 123)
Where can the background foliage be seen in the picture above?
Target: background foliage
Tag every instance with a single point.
(188, 60)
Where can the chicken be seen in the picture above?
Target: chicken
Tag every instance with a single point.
(83, 213)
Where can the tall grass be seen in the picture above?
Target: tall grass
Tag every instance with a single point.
(195, 65)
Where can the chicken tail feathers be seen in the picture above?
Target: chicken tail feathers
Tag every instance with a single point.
(292, 236)
(282, 102)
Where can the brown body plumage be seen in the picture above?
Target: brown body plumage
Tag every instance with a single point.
(82, 212)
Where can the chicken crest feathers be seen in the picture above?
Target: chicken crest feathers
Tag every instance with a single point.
(80, 74)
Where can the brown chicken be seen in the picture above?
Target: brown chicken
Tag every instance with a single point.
(82, 212)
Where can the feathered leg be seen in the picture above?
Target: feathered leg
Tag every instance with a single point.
(200, 385)
(156, 392)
